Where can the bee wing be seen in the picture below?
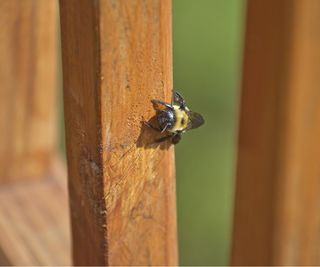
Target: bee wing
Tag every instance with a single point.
(160, 105)
(195, 120)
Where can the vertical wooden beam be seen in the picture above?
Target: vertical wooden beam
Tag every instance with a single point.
(116, 58)
(277, 219)
(28, 87)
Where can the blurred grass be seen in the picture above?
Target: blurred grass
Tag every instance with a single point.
(207, 54)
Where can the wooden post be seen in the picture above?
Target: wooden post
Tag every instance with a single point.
(277, 217)
(28, 88)
(116, 58)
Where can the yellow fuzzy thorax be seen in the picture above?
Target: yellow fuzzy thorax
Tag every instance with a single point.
(181, 120)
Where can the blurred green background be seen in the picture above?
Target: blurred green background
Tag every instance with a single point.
(207, 61)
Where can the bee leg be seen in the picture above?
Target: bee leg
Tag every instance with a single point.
(176, 138)
(159, 102)
(151, 126)
(177, 98)
(165, 128)
(162, 139)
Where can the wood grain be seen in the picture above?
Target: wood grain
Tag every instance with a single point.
(28, 88)
(34, 220)
(117, 56)
(277, 219)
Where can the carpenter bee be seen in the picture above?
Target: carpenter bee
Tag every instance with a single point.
(175, 118)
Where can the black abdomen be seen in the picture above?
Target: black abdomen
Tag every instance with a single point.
(166, 119)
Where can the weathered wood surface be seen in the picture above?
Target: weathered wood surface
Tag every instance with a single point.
(34, 221)
(28, 88)
(277, 219)
(116, 58)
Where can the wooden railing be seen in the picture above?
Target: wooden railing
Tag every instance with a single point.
(117, 56)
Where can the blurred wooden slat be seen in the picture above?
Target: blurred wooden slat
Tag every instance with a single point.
(34, 221)
(28, 87)
(116, 58)
(277, 219)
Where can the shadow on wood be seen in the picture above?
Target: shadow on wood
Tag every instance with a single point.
(148, 137)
